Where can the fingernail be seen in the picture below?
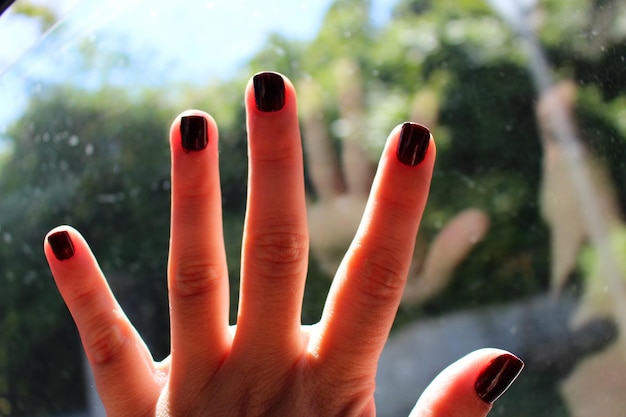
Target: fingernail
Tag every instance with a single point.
(413, 144)
(497, 377)
(269, 91)
(61, 245)
(193, 133)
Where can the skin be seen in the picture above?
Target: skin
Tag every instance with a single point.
(268, 365)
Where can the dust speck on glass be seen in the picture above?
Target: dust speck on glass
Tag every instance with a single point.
(523, 240)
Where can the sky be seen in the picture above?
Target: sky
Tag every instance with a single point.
(188, 42)
(201, 36)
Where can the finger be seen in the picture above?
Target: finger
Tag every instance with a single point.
(449, 248)
(197, 270)
(425, 107)
(275, 244)
(323, 166)
(357, 167)
(121, 364)
(470, 386)
(366, 291)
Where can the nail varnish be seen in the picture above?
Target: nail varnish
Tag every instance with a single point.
(269, 91)
(193, 133)
(413, 144)
(497, 377)
(61, 245)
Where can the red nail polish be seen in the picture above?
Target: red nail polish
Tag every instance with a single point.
(413, 144)
(193, 133)
(497, 377)
(269, 91)
(61, 245)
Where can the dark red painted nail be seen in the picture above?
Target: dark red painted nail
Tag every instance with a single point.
(269, 91)
(193, 133)
(413, 144)
(61, 245)
(497, 377)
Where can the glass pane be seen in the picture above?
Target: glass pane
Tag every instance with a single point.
(522, 243)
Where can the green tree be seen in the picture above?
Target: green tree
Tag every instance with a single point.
(100, 162)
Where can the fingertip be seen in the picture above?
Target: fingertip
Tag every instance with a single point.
(413, 145)
(192, 131)
(471, 385)
(59, 243)
(270, 92)
(497, 376)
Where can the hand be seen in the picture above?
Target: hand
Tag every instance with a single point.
(342, 184)
(268, 364)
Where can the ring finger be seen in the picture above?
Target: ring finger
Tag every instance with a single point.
(197, 270)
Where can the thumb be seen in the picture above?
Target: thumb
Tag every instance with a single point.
(470, 386)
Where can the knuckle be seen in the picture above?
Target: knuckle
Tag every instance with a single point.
(196, 278)
(100, 332)
(379, 278)
(104, 341)
(279, 154)
(282, 253)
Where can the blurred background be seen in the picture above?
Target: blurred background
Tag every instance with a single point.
(522, 244)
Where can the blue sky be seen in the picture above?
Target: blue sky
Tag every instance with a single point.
(205, 37)
(189, 41)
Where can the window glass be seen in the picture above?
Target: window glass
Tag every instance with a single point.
(522, 244)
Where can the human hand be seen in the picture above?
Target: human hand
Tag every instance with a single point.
(342, 184)
(268, 364)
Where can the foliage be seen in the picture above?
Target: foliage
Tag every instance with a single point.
(98, 161)
(44, 14)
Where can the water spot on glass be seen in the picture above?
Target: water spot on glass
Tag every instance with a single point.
(7, 237)
(45, 137)
(111, 198)
(473, 239)
(166, 185)
(468, 181)
(89, 149)
(347, 34)
(341, 128)
(73, 140)
(30, 277)
(27, 249)
(513, 330)
(43, 167)
(63, 165)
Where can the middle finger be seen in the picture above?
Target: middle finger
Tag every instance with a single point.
(275, 242)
